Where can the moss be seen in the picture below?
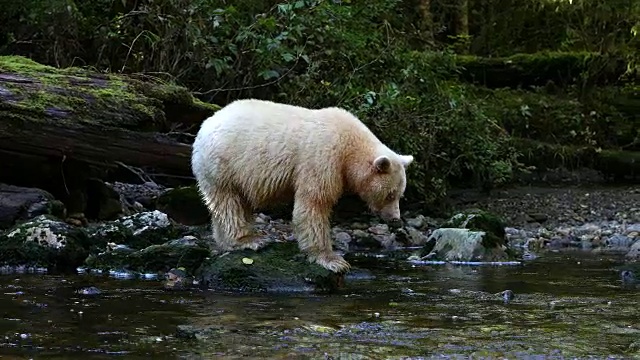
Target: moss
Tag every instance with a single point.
(276, 267)
(136, 231)
(615, 164)
(45, 242)
(184, 205)
(82, 96)
(154, 258)
(524, 70)
(478, 220)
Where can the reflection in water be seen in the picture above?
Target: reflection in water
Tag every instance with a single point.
(564, 306)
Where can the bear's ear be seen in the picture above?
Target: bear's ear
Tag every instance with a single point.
(382, 164)
(406, 160)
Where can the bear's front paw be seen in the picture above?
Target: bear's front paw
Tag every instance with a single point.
(333, 262)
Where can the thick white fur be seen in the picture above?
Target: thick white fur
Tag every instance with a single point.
(252, 153)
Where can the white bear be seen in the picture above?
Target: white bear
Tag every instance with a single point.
(253, 153)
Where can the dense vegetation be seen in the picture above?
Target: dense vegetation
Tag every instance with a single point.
(452, 82)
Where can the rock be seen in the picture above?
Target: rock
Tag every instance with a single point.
(184, 205)
(342, 239)
(44, 242)
(143, 194)
(634, 252)
(417, 223)
(277, 267)
(178, 279)
(619, 241)
(538, 217)
(136, 231)
(454, 244)
(478, 220)
(188, 255)
(20, 203)
(103, 202)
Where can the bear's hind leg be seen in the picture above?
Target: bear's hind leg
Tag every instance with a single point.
(311, 224)
(231, 220)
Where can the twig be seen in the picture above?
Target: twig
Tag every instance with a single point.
(139, 173)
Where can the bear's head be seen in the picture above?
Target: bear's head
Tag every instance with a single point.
(384, 185)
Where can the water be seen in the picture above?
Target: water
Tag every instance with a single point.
(565, 306)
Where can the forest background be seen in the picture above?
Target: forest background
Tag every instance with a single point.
(477, 90)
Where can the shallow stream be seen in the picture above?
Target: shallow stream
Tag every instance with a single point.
(566, 305)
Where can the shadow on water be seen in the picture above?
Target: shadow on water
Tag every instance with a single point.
(564, 306)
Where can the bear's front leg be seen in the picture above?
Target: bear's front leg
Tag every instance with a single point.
(311, 225)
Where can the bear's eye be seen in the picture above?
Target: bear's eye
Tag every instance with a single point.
(390, 197)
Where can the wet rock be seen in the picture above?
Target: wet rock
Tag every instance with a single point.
(136, 231)
(187, 254)
(178, 279)
(277, 267)
(507, 296)
(455, 244)
(89, 291)
(184, 205)
(634, 252)
(417, 223)
(478, 220)
(20, 203)
(44, 242)
(341, 241)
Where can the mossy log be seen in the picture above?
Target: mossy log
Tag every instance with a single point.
(50, 117)
(540, 69)
(615, 164)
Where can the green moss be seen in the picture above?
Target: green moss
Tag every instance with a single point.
(478, 220)
(524, 70)
(88, 97)
(154, 258)
(44, 242)
(184, 205)
(276, 267)
(611, 163)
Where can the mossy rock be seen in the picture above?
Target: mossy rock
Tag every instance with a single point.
(479, 220)
(136, 231)
(155, 258)
(44, 242)
(278, 267)
(464, 245)
(184, 205)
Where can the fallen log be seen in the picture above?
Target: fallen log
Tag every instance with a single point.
(59, 127)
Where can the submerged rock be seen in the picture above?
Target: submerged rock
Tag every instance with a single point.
(20, 203)
(453, 244)
(44, 242)
(277, 267)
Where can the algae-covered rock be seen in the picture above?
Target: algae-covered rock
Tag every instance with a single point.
(44, 242)
(187, 253)
(276, 267)
(454, 244)
(183, 205)
(136, 231)
(479, 220)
